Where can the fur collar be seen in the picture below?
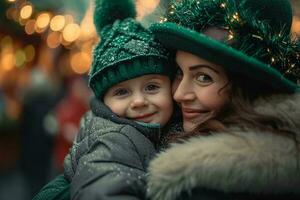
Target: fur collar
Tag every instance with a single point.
(243, 161)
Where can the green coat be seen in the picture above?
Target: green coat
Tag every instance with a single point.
(57, 189)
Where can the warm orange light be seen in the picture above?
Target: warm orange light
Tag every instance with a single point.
(29, 53)
(20, 58)
(6, 42)
(57, 23)
(53, 40)
(10, 12)
(69, 19)
(80, 62)
(71, 32)
(43, 20)
(87, 25)
(146, 6)
(149, 4)
(296, 25)
(11, 1)
(7, 61)
(39, 30)
(29, 26)
(26, 11)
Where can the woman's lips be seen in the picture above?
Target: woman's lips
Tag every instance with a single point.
(192, 113)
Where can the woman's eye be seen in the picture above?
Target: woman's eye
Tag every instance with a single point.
(151, 88)
(204, 79)
(121, 92)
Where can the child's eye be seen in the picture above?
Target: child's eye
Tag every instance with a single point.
(121, 92)
(151, 88)
(204, 79)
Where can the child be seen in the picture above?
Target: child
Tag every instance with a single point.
(130, 77)
(236, 85)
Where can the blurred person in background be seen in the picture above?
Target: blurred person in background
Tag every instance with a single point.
(36, 140)
(67, 114)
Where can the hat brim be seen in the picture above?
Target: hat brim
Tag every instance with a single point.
(177, 37)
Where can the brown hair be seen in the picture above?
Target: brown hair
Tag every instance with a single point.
(240, 112)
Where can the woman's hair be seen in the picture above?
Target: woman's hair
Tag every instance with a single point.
(240, 111)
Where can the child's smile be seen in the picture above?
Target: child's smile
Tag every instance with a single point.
(146, 98)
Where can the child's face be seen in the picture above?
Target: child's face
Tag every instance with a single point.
(199, 88)
(146, 98)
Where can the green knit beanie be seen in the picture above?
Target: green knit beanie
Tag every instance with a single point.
(126, 50)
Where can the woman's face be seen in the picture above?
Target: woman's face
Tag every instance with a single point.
(200, 88)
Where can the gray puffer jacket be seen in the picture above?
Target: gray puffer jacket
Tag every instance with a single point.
(109, 157)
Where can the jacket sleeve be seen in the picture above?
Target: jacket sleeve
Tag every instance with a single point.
(57, 189)
(109, 166)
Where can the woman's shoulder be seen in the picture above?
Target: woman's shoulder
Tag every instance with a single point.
(286, 106)
(238, 161)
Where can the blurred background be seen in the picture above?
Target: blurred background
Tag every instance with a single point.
(45, 55)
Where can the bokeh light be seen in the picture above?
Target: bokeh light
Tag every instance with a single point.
(26, 11)
(20, 58)
(53, 40)
(71, 32)
(30, 26)
(80, 62)
(43, 21)
(29, 52)
(57, 23)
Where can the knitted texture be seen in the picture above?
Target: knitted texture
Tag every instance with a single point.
(127, 50)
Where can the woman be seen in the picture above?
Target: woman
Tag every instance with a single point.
(237, 88)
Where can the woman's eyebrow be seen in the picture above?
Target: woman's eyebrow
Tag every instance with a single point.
(195, 67)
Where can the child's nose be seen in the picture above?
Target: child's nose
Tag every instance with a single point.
(139, 101)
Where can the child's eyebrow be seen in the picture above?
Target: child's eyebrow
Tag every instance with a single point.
(119, 85)
(156, 79)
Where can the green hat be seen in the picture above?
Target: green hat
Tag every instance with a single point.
(126, 50)
(259, 44)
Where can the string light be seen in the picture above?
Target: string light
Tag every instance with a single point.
(163, 19)
(223, 5)
(230, 35)
(290, 69)
(257, 36)
(235, 17)
(272, 60)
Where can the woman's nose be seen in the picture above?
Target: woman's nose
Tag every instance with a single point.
(183, 91)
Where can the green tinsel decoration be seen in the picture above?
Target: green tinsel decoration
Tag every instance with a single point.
(247, 34)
